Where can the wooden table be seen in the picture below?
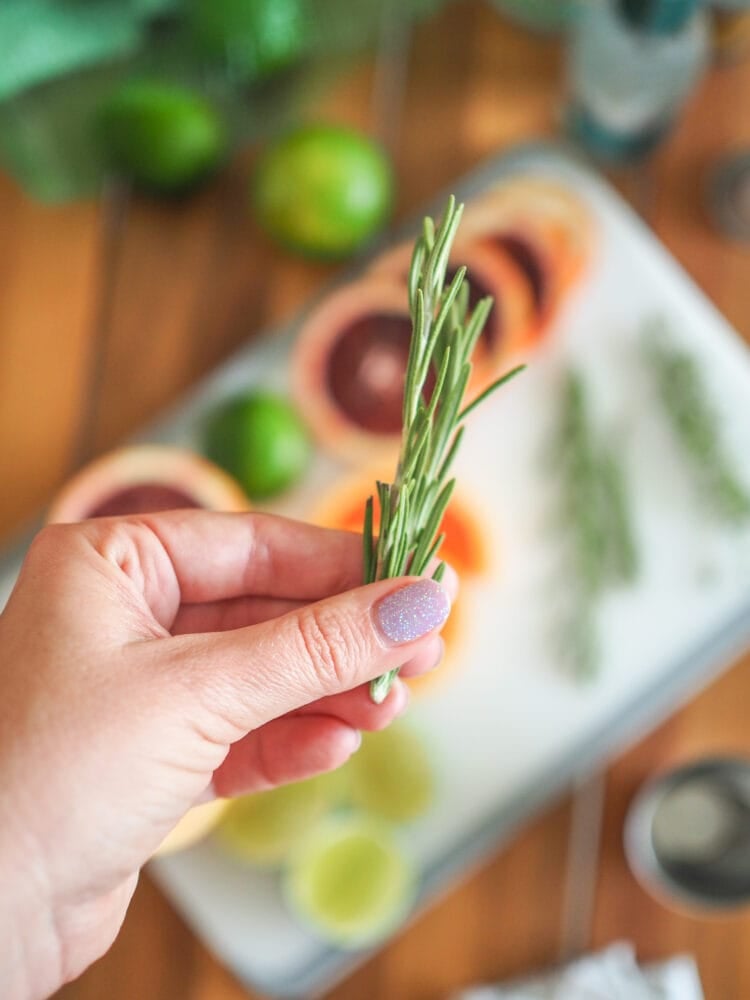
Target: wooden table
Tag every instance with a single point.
(109, 309)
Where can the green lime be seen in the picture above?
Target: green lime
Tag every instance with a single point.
(350, 881)
(254, 38)
(323, 190)
(260, 440)
(262, 828)
(391, 774)
(164, 136)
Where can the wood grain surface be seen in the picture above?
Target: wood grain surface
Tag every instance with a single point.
(109, 309)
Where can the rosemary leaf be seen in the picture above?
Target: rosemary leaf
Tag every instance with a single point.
(430, 530)
(433, 551)
(367, 541)
(476, 324)
(449, 300)
(415, 270)
(489, 390)
(439, 383)
(453, 451)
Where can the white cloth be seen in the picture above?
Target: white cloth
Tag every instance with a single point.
(612, 974)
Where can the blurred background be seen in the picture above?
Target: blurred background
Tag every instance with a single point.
(145, 239)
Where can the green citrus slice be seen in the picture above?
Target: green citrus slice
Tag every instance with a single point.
(262, 828)
(391, 774)
(350, 882)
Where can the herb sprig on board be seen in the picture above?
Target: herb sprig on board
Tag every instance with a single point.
(444, 335)
(695, 424)
(596, 522)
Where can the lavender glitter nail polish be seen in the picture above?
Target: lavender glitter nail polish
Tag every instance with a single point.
(412, 611)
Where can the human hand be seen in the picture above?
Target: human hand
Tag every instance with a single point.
(151, 662)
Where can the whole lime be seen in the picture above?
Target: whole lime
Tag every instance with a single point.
(260, 439)
(165, 137)
(323, 190)
(255, 39)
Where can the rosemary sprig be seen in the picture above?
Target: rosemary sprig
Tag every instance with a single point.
(615, 500)
(411, 508)
(597, 522)
(581, 498)
(695, 423)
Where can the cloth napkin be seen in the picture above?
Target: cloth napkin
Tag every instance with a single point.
(612, 974)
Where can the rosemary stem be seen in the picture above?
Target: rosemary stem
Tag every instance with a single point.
(412, 507)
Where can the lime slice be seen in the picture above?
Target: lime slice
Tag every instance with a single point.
(323, 190)
(262, 828)
(391, 774)
(259, 439)
(350, 882)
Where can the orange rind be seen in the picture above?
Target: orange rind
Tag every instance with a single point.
(349, 367)
(145, 478)
(548, 232)
(489, 271)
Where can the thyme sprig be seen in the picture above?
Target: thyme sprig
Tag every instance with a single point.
(695, 423)
(438, 371)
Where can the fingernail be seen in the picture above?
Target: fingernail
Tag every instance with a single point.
(412, 611)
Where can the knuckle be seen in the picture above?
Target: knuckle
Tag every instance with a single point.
(51, 548)
(132, 547)
(116, 540)
(327, 644)
(52, 538)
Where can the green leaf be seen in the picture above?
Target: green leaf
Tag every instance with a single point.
(367, 542)
(44, 39)
(155, 8)
(489, 391)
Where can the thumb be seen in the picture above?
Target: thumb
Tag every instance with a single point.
(258, 673)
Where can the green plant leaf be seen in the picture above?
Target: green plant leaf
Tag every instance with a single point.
(44, 39)
(155, 8)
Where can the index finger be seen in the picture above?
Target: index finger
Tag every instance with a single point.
(219, 556)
